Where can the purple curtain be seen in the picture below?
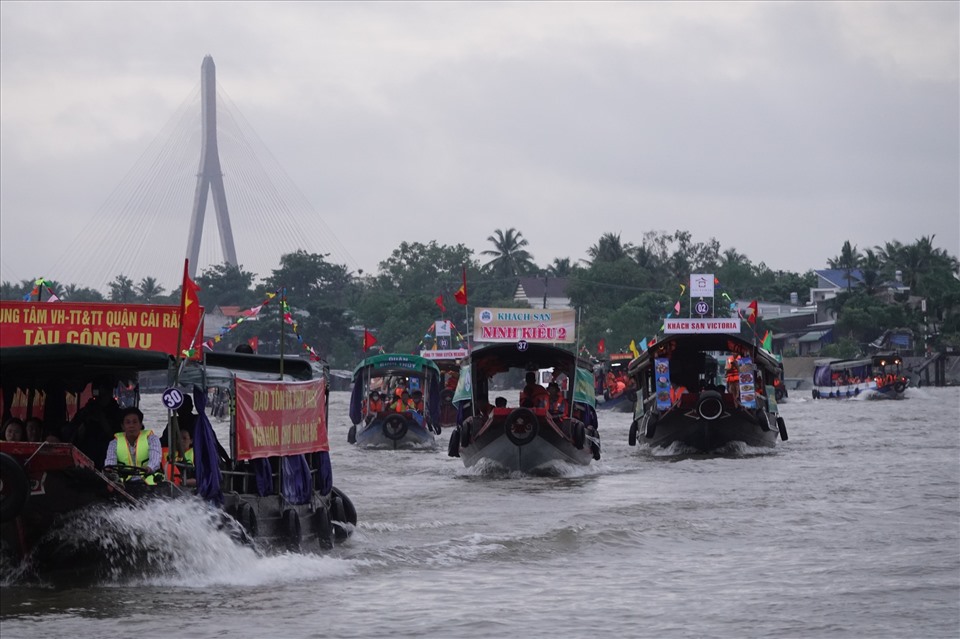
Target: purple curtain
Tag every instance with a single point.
(296, 488)
(261, 469)
(205, 458)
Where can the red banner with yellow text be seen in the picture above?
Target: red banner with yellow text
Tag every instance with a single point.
(148, 327)
(280, 418)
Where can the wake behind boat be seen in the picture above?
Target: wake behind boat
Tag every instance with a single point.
(703, 386)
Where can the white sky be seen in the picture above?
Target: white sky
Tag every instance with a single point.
(780, 129)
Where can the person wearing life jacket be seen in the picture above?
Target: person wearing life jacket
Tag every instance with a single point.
(452, 379)
(733, 376)
(554, 401)
(134, 446)
(184, 456)
(532, 391)
(611, 383)
(403, 403)
(417, 399)
(372, 407)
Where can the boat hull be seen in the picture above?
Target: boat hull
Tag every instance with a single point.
(395, 431)
(619, 404)
(688, 426)
(499, 441)
(865, 389)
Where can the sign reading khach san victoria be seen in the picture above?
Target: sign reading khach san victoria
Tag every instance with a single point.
(531, 325)
(701, 325)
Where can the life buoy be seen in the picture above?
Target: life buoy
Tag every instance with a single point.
(710, 405)
(782, 427)
(521, 426)
(632, 437)
(395, 427)
(322, 528)
(14, 488)
(291, 526)
(352, 435)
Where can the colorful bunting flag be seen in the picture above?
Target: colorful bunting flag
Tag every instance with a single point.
(633, 348)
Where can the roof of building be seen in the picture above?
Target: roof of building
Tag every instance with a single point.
(838, 276)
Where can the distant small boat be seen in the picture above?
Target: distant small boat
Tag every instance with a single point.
(383, 423)
(609, 377)
(445, 346)
(877, 377)
(685, 397)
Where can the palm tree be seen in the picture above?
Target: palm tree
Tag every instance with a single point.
(561, 267)
(848, 260)
(509, 257)
(609, 248)
(149, 290)
(121, 289)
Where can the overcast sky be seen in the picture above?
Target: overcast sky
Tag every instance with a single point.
(780, 129)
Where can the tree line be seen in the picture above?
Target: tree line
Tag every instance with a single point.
(622, 290)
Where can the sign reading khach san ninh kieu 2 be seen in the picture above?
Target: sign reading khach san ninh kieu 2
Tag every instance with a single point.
(531, 325)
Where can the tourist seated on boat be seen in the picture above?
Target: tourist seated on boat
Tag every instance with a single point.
(417, 398)
(184, 456)
(186, 419)
(554, 401)
(500, 402)
(134, 446)
(732, 373)
(402, 403)
(93, 427)
(14, 430)
(372, 406)
(532, 391)
(34, 429)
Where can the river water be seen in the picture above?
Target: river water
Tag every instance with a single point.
(849, 529)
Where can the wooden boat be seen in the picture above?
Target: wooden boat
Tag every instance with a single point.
(445, 346)
(878, 376)
(43, 481)
(684, 398)
(516, 435)
(612, 398)
(389, 374)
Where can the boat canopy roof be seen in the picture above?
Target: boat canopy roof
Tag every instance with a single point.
(75, 363)
(689, 344)
(486, 361)
(879, 359)
(391, 363)
(296, 367)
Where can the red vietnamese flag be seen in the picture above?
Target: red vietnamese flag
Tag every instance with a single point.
(368, 339)
(461, 294)
(601, 347)
(191, 315)
(254, 342)
(439, 301)
(752, 307)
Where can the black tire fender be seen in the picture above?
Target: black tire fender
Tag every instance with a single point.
(778, 393)
(395, 427)
(352, 435)
(899, 387)
(349, 510)
(579, 435)
(15, 487)
(291, 526)
(710, 405)
(247, 518)
(521, 426)
(632, 437)
(453, 448)
(782, 427)
(323, 528)
(466, 436)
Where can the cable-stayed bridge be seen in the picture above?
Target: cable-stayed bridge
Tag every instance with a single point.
(160, 212)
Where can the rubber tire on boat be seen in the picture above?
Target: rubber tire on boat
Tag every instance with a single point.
(595, 444)
(579, 435)
(352, 435)
(16, 487)
(247, 518)
(899, 387)
(650, 428)
(453, 448)
(632, 437)
(710, 405)
(291, 526)
(526, 415)
(764, 420)
(778, 393)
(395, 427)
(465, 432)
(782, 427)
(349, 510)
(322, 528)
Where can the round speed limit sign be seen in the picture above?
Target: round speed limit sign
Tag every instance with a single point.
(172, 398)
